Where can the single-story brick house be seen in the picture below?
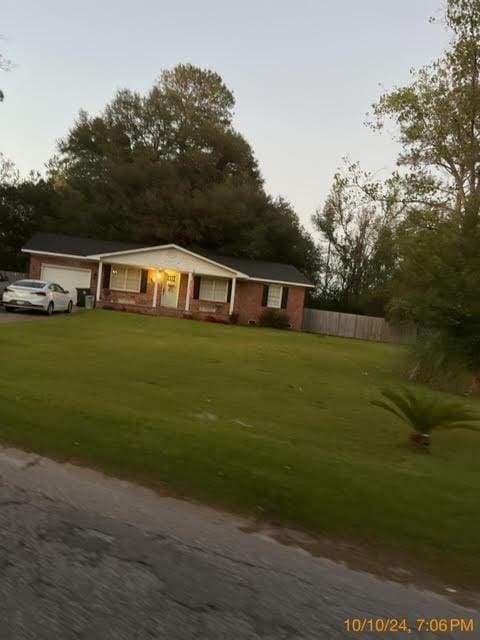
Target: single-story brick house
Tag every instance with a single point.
(168, 279)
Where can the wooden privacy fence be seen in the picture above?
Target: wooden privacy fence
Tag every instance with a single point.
(11, 276)
(348, 325)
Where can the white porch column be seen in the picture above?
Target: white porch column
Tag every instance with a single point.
(99, 279)
(232, 295)
(189, 291)
(155, 291)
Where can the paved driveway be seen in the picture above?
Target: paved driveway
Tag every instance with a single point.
(23, 316)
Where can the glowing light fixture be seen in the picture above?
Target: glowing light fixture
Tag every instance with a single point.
(157, 276)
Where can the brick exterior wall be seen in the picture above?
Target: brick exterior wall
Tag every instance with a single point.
(295, 306)
(248, 303)
(248, 296)
(204, 308)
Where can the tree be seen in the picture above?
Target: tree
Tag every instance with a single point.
(358, 225)
(438, 120)
(5, 65)
(168, 166)
(25, 207)
(438, 288)
(8, 172)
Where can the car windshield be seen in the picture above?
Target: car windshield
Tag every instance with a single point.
(31, 284)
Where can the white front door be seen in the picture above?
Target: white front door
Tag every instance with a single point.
(171, 285)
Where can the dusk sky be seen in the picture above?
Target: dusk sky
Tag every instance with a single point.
(304, 73)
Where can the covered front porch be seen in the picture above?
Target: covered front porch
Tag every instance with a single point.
(135, 283)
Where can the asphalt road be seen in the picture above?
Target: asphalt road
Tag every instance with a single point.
(85, 556)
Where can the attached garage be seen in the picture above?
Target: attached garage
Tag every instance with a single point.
(68, 277)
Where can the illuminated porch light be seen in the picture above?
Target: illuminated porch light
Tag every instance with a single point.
(157, 276)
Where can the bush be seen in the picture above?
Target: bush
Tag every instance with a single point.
(438, 364)
(274, 319)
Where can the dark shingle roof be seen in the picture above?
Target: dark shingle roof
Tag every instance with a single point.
(73, 246)
(260, 269)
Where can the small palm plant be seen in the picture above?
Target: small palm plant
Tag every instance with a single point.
(424, 414)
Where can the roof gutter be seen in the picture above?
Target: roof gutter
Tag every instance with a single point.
(290, 284)
(60, 255)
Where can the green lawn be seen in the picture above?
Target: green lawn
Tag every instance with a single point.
(272, 423)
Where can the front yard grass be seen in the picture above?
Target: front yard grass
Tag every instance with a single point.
(264, 422)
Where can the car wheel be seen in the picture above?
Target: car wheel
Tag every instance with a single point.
(70, 307)
(50, 309)
(9, 309)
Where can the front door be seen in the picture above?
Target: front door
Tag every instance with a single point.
(171, 285)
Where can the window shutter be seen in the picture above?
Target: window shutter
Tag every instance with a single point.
(265, 296)
(107, 268)
(144, 281)
(229, 291)
(196, 287)
(284, 297)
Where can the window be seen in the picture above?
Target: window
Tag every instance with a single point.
(274, 298)
(31, 284)
(213, 290)
(125, 278)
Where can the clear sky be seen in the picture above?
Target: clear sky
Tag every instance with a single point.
(304, 73)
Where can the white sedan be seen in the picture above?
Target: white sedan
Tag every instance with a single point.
(37, 295)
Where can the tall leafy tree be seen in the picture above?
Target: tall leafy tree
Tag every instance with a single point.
(438, 120)
(5, 65)
(358, 225)
(168, 166)
(25, 207)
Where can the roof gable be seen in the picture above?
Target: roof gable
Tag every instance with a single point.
(172, 257)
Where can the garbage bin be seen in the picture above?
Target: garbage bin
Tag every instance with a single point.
(82, 292)
(89, 302)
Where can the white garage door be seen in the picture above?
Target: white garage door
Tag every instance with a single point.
(68, 278)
